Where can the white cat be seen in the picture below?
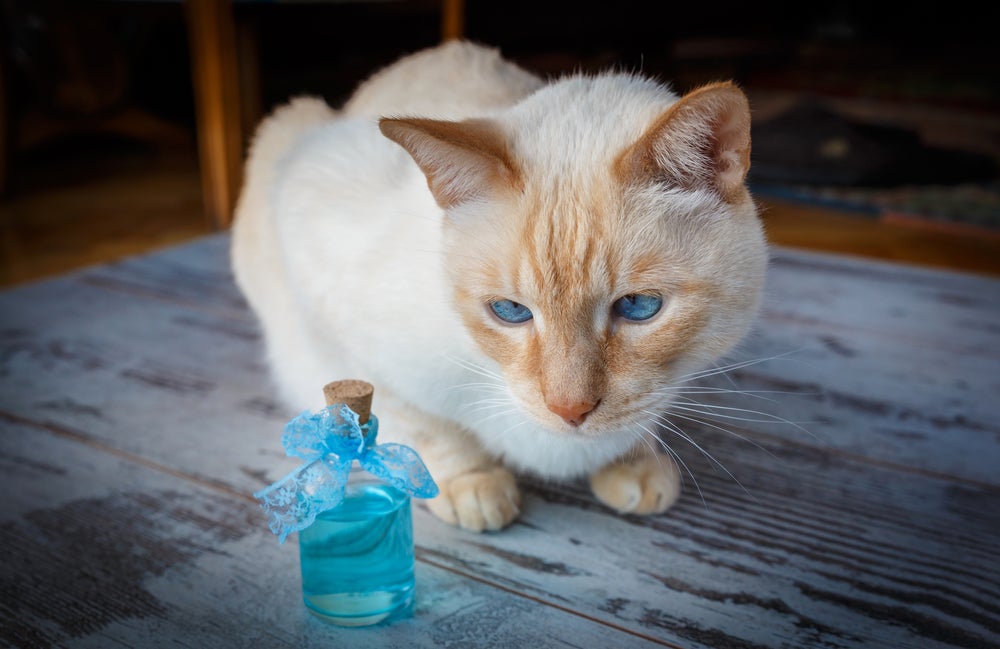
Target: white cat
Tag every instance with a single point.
(523, 269)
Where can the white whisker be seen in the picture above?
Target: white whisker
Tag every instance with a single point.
(677, 460)
(709, 410)
(494, 416)
(768, 418)
(473, 367)
(708, 389)
(673, 428)
(480, 406)
(724, 430)
(524, 420)
(483, 387)
(731, 367)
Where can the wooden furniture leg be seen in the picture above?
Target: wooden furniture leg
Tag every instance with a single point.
(221, 111)
(452, 19)
(215, 72)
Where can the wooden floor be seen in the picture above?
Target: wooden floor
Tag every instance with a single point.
(140, 419)
(821, 229)
(65, 213)
(93, 202)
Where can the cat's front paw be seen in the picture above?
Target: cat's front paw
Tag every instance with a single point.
(648, 484)
(478, 500)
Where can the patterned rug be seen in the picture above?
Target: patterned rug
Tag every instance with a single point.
(814, 154)
(969, 207)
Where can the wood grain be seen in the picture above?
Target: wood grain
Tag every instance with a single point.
(105, 551)
(136, 420)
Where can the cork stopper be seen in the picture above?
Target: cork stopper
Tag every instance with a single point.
(356, 394)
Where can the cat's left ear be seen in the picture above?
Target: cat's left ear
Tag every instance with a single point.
(701, 141)
(463, 161)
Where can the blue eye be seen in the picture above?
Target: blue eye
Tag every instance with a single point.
(637, 306)
(511, 312)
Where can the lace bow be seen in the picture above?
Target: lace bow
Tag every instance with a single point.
(329, 441)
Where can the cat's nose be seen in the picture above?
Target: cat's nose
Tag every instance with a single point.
(573, 413)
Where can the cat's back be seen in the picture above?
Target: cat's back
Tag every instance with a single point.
(455, 80)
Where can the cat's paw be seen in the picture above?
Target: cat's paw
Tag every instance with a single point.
(648, 484)
(479, 500)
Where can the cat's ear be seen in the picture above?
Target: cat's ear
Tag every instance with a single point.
(701, 141)
(463, 161)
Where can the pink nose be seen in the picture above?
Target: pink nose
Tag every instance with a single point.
(573, 413)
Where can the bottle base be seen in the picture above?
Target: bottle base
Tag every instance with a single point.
(360, 609)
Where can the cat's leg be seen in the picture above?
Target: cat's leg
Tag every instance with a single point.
(476, 492)
(645, 482)
(485, 498)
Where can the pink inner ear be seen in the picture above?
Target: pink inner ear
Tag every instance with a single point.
(702, 140)
(462, 160)
(732, 144)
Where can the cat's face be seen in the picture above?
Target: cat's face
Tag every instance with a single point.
(594, 306)
(595, 291)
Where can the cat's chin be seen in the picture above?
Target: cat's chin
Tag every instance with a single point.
(561, 454)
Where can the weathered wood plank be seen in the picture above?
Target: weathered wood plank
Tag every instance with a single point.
(101, 551)
(832, 548)
(152, 377)
(885, 400)
(934, 307)
(869, 358)
(885, 361)
(819, 552)
(195, 274)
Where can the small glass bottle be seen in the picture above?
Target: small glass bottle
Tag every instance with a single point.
(357, 558)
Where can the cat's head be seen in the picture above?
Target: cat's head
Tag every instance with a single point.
(601, 242)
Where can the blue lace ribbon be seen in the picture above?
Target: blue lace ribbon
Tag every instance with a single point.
(329, 441)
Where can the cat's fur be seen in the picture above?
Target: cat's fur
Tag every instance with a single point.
(370, 248)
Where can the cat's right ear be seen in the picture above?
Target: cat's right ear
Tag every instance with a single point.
(463, 161)
(700, 142)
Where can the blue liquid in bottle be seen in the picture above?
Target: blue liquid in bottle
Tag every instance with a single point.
(357, 559)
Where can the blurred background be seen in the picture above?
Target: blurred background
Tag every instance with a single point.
(123, 123)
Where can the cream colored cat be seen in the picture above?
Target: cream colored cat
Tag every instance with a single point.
(523, 269)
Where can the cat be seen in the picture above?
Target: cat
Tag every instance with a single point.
(524, 268)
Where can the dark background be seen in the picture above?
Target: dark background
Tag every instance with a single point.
(136, 52)
(869, 95)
